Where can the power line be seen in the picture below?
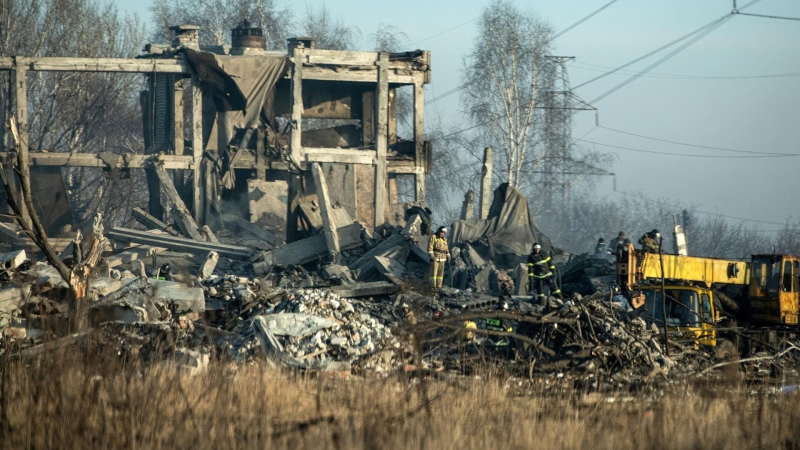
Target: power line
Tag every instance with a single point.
(780, 155)
(768, 17)
(445, 31)
(670, 44)
(684, 77)
(592, 14)
(693, 145)
(457, 132)
(557, 35)
(450, 92)
(665, 58)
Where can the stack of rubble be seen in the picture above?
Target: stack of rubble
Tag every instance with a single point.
(587, 275)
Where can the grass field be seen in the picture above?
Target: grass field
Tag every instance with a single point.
(69, 404)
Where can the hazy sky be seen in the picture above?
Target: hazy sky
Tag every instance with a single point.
(756, 112)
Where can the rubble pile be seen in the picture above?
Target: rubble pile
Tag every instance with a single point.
(357, 305)
(588, 338)
(314, 328)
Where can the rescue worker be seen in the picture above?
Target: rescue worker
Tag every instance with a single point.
(617, 243)
(600, 248)
(439, 252)
(649, 241)
(409, 321)
(540, 271)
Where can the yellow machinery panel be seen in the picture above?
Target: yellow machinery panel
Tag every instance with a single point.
(691, 268)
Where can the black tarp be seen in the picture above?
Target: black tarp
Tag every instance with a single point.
(508, 233)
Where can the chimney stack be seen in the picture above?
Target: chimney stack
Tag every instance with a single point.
(186, 36)
(246, 40)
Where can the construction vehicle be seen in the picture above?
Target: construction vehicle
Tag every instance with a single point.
(688, 304)
(764, 310)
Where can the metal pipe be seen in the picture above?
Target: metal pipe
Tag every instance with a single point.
(663, 297)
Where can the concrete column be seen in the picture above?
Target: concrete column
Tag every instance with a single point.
(468, 207)
(486, 183)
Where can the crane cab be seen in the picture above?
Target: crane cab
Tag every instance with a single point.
(690, 311)
(774, 289)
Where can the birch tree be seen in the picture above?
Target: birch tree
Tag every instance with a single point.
(502, 79)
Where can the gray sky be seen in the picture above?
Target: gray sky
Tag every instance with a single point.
(698, 107)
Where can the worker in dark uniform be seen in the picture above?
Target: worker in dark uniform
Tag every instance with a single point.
(600, 248)
(540, 271)
(617, 243)
(439, 252)
(649, 241)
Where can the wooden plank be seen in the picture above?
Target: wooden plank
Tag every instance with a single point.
(368, 117)
(419, 137)
(392, 124)
(381, 139)
(198, 203)
(125, 161)
(151, 221)
(328, 224)
(361, 75)
(341, 58)
(181, 213)
(339, 155)
(21, 98)
(296, 142)
(179, 244)
(178, 146)
(58, 64)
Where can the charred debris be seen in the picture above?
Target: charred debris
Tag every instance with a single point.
(288, 224)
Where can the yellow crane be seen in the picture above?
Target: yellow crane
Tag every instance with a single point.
(690, 305)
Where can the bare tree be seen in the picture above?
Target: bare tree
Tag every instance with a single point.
(502, 78)
(78, 112)
(330, 33)
(217, 17)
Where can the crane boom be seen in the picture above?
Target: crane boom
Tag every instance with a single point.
(635, 267)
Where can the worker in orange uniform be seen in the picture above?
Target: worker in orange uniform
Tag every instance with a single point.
(439, 252)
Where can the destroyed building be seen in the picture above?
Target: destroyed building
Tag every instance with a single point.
(232, 132)
(331, 279)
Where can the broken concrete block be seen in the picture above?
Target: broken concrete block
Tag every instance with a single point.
(379, 250)
(521, 279)
(474, 257)
(392, 269)
(181, 298)
(297, 325)
(340, 341)
(482, 280)
(309, 249)
(266, 198)
(335, 271)
(12, 260)
(10, 299)
(104, 286)
(136, 295)
(209, 265)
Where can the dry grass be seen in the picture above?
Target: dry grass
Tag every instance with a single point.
(66, 403)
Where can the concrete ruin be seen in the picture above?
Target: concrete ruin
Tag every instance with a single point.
(237, 122)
